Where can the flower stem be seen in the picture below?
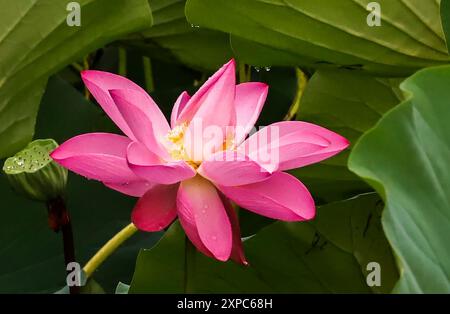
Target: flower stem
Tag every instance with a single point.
(244, 73)
(108, 249)
(302, 80)
(122, 62)
(86, 66)
(59, 220)
(148, 72)
(77, 66)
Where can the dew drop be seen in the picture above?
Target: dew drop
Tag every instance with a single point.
(267, 69)
(257, 69)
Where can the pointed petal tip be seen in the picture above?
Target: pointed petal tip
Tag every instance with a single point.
(231, 62)
(53, 153)
(57, 156)
(260, 85)
(340, 143)
(230, 66)
(310, 215)
(86, 75)
(222, 258)
(345, 143)
(185, 94)
(241, 260)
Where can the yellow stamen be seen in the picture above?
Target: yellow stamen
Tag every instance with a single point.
(175, 139)
(176, 144)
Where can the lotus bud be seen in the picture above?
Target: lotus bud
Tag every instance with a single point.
(32, 173)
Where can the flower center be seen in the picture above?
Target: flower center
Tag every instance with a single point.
(176, 144)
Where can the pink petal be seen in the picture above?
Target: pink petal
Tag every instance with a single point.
(187, 221)
(209, 112)
(292, 144)
(98, 156)
(149, 167)
(135, 188)
(237, 252)
(99, 83)
(250, 98)
(143, 117)
(178, 107)
(198, 199)
(216, 93)
(281, 197)
(156, 209)
(232, 168)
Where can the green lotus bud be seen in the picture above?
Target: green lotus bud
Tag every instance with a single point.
(31, 172)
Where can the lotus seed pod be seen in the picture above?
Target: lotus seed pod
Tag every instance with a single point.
(32, 173)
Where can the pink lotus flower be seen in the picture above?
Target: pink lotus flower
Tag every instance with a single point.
(173, 176)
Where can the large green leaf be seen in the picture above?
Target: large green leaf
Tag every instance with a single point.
(406, 158)
(328, 256)
(445, 17)
(349, 104)
(172, 37)
(30, 253)
(328, 32)
(35, 42)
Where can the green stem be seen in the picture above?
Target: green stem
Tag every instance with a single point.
(148, 72)
(108, 249)
(302, 80)
(87, 94)
(242, 73)
(77, 67)
(245, 73)
(59, 220)
(122, 62)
